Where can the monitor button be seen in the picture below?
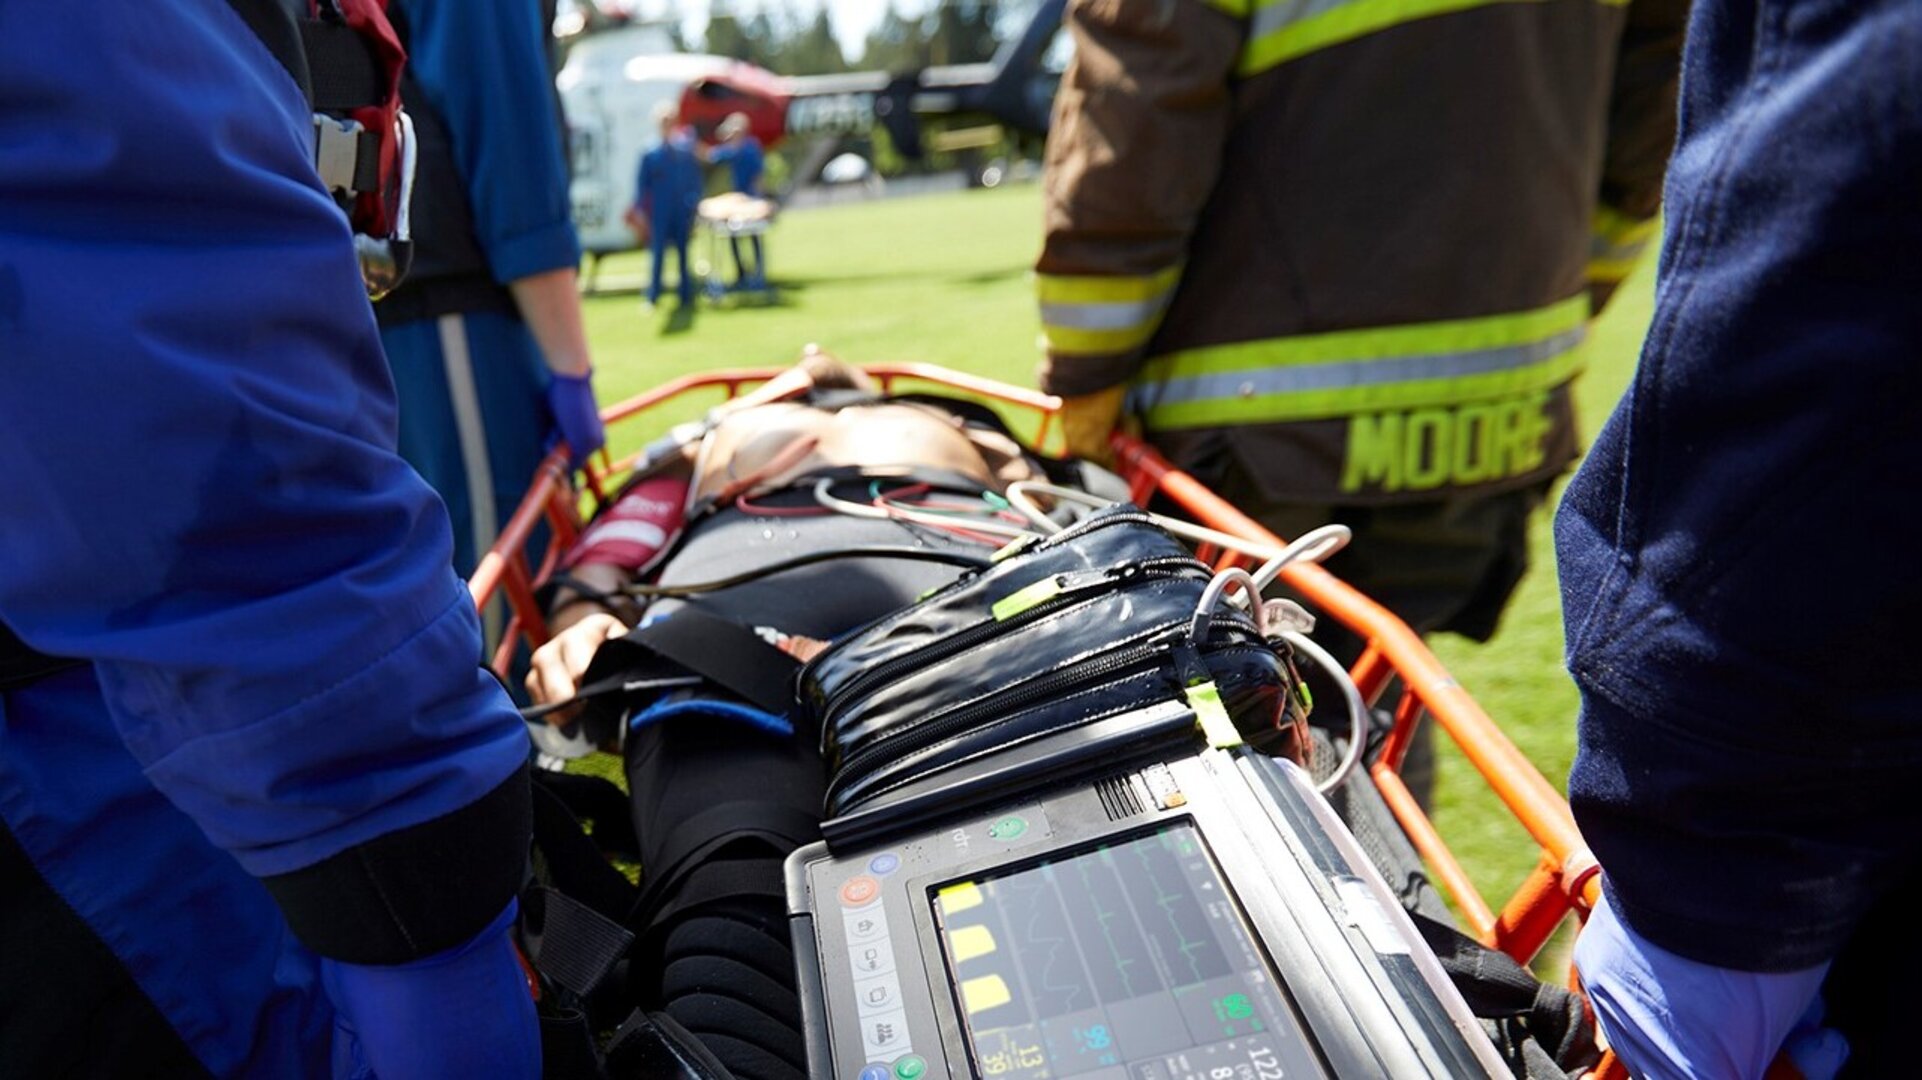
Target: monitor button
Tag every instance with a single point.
(865, 926)
(876, 959)
(876, 1072)
(877, 995)
(885, 863)
(885, 1036)
(912, 1067)
(860, 890)
(1008, 828)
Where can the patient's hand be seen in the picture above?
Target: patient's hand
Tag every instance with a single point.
(556, 670)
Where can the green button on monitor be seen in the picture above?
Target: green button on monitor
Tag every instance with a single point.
(911, 1067)
(1008, 828)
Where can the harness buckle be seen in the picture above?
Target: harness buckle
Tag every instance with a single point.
(337, 152)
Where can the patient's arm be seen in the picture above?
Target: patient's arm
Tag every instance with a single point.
(555, 672)
(599, 591)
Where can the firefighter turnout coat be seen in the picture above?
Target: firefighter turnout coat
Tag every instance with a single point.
(1351, 242)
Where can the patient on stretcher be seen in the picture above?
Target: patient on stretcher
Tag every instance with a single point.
(745, 494)
(894, 498)
(796, 521)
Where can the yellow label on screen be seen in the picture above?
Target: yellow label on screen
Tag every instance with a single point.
(987, 992)
(971, 942)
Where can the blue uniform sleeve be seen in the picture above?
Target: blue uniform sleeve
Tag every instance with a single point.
(482, 65)
(1738, 554)
(201, 492)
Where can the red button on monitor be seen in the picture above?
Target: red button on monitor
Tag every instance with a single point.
(860, 890)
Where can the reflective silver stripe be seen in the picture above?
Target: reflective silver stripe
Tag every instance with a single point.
(1282, 13)
(1109, 315)
(472, 432)
(1601, 247)
(1346, 374)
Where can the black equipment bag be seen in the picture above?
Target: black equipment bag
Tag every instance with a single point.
(1058, 633)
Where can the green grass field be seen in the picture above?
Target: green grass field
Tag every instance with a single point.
(944, 279)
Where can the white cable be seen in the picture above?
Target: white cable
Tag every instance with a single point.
(1018, 498)
(1211, 599)
(898, 513)
(1018, 495)
(1311, 546)
(1357, 709)
(842, 506)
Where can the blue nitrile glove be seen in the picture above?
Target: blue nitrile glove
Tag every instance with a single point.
(463, 1012)
(1668, 1016)
(576, 415)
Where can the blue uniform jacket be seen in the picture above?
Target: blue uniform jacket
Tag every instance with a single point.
(203, 502)
(1739, 552)
(745, 162)
(482, 68)
(668, 189)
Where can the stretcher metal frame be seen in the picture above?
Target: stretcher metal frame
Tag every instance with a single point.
(1566, 877)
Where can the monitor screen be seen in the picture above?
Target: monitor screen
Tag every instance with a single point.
(1128, 961)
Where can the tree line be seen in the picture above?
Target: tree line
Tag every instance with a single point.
(781, 38)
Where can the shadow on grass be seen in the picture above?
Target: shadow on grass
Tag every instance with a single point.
(680, 321)
(990, 277)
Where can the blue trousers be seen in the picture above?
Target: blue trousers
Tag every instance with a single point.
(473, 417)
(657, 244)
(142, 947)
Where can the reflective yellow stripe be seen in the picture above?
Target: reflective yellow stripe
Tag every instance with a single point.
(1319, 376)
(1104, 288)
(1236, 8)
(1067, 341)
(1616, 243)
(1611, 271)
(1091, 315)
(1282, 30)
(1613, 228)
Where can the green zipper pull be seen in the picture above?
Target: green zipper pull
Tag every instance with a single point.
(1028, 596)
(1211, 716)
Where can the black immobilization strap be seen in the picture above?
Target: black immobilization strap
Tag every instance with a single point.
(725, 653)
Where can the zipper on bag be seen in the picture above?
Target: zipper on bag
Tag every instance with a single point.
(858, 767)
(1068, 592)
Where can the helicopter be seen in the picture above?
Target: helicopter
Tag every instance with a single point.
(612, 83)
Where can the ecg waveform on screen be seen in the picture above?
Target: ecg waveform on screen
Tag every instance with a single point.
(1113, 925)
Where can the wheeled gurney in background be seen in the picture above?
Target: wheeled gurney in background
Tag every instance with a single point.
(735, 218)
(1565, 878)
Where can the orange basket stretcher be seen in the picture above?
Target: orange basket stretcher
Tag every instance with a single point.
(1566, 878)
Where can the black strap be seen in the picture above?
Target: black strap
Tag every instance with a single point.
(725, 653)
(567, 1046)
(576, 946)
(652, 1045)
(415, 891)
(715, 882)
(573, 860)
(691, 842)
(1498, 988)
(275, 23)
(341, 63)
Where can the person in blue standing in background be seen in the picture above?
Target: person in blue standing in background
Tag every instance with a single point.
(485, 336)
(666, 196)
(741, 152)
(261, 812)
(1739, 573)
